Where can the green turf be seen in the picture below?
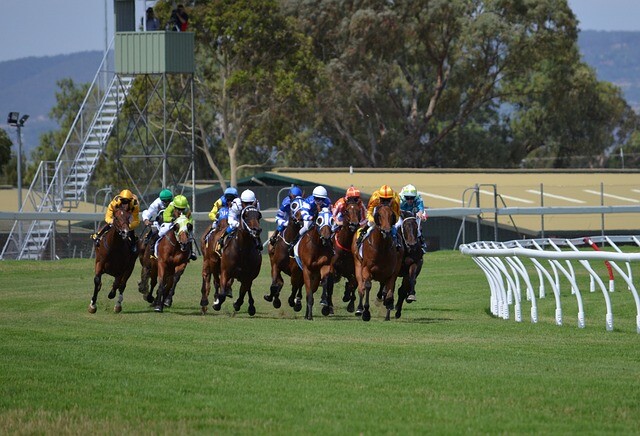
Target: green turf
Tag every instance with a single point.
(447, 366)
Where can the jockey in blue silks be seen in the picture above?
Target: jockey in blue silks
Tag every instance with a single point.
(284, 212)
(317, 201)
(410, 201)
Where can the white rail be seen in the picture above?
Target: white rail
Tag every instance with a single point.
(551, 258)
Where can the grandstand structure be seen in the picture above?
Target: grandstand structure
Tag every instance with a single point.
(138, 112)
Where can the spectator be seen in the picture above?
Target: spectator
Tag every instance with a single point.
(152, 23)
(179, 19)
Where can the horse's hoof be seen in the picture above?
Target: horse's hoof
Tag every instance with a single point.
(346, 297)
(398, 314)
(411, 298)
(351, 307)
(229, 294)
(324, 302)
(149, 298)
(92, 308)
(236, 306)
(366, 315)
(359, 312)
(112, 295)
(297, 307)
(203, 310)
(268, 297)
(277, 303)
(168, 303)
(204, 302)
(217, 307)
(252, 310)
(117, 308)
(326, 310)
(292, 302)
(159, 308)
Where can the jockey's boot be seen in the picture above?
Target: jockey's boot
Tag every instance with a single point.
(220, 243)
(361, 236)
(133, 239)
(193, 255)
(423, 244)
(273, 240)
(96, 236)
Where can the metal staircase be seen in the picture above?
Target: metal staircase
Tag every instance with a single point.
(61, 185)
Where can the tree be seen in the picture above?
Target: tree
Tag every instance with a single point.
(6, 172)
(258, 78)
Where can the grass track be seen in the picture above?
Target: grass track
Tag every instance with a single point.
(447, 366)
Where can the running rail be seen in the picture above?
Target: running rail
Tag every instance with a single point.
(552, 259)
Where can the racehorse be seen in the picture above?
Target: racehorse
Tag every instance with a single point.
(241, 259)
(211, 259)
(114, 257)
(380, 260)
(315, 251)
(342, 262)
(282, 261)
(412, 261)
(174, 250)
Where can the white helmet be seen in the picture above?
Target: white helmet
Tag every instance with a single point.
(247, 196)
(320, 192)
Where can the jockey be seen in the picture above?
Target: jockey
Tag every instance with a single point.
(247, 198)
(220, 204)
(384, 195)
(351, 196)
(284, 213)
(125, 199)
(313, 204)
(179, 206)
(153, 215)
(410, 201)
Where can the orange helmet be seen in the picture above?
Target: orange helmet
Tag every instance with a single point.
(352, 192)
(125, 193)
(385, 191)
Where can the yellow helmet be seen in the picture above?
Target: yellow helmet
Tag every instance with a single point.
(385, 191)
(126, 194)
(180, 202)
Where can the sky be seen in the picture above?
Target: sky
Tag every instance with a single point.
(52, 27)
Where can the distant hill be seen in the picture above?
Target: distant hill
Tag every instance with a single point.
(616, 58)
(28, 86)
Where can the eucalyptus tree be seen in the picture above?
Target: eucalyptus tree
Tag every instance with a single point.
(257, 79)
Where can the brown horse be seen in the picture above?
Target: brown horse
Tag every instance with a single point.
(282, 261)
(412, 261)
(114, 257)
(149, 266)
(211, 260)
(315, 251)
(381, 260)
(174, 250)
(342, 262)
(241, 259)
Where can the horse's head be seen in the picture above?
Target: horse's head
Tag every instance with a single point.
(324, 225)
(352, 216)
(295, 214)
(410, 229)
(182, 227)
(250, 218)
(121, 218)
(384, 219)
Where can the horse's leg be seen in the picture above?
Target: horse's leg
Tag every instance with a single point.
(276, 280)
(175, 279)
(297, 282)
(380, 295)
(97, 285)
(413, 274)
(243, 290)
(402, 294)
(154, 282)
(159, 303)
(311, 283)
(350, 287)
(206, 286)
(366, 314)
(252, 306)
(327, 290)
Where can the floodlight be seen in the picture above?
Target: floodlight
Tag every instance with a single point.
(12, 119)
(24, 119)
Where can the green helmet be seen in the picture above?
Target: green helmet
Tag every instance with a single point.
(166, 195)
(181, 202)
(409, 191)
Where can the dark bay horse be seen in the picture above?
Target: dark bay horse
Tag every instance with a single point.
(211, 261)
(149, 267)
(241, 260)
(342, 262)
(380, 260)
(282, 261)
(114, 257)
(174, 250)
(315, 250)
(412, 261)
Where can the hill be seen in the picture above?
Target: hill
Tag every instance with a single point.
(616, 58)
(28, 86)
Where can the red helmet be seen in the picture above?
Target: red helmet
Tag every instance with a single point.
(352, 192)
(385, 191)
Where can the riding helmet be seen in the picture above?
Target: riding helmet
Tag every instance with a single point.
(247, 196)
(295, 191)
(231, 191)
(320, 192)
(352, 192)
(125, 193)
(385, 191)
(409, 191)
(180, 202)
(166, 195)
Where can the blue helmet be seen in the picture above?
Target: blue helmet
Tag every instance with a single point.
(231, 191)
(295, 191)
